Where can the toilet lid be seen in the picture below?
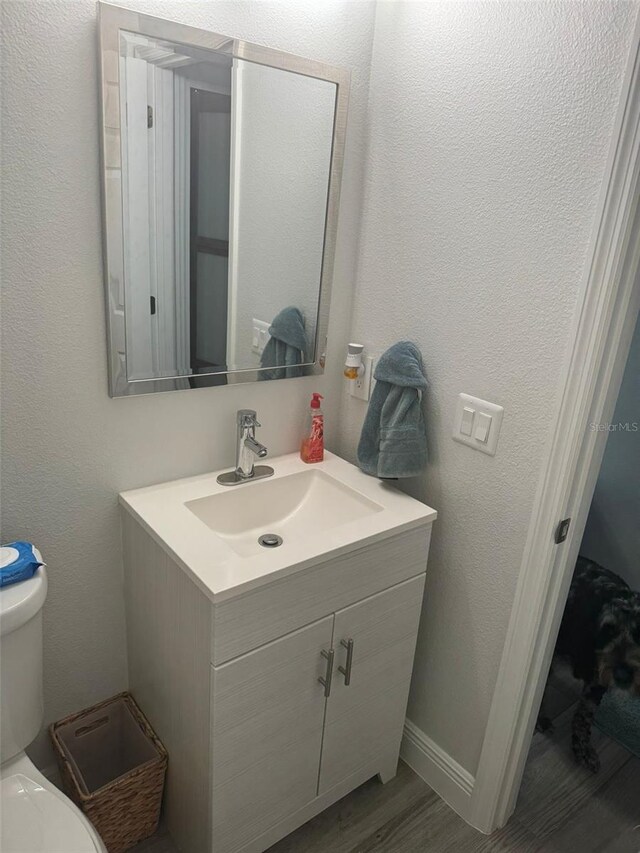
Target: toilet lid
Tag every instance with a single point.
(36, 820)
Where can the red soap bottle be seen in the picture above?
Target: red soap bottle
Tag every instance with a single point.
(312, 448)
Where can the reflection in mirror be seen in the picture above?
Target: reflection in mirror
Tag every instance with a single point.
(225, 181)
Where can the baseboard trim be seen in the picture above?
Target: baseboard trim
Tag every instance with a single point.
(438, 769)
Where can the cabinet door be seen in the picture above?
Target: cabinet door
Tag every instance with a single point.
(267, 711)
(365, 719)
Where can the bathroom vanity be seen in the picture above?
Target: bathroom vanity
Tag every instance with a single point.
(277, 677)
(271, 626)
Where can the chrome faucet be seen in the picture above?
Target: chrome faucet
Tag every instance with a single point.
(246, 444)
(246, 448)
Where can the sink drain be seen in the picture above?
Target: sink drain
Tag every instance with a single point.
(270, 540)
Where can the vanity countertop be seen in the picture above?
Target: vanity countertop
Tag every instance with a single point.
(322, 510)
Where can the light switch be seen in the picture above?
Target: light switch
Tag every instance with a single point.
(483, 427)
(466, 427)
(477, 423)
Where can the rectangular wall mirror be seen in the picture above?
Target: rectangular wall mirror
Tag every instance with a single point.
(221, 168)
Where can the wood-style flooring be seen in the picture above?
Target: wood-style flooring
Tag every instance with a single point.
(562, 808)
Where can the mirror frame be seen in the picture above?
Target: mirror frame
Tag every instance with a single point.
(112, 19)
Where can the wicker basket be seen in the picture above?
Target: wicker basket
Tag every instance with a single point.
(113, 767)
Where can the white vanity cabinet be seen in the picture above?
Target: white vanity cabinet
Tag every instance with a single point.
(267, 721)
(365, 718)
(275, 702)
(281, 738)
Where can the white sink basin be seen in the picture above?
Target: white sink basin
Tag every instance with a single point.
(212, 531)
(291, 507)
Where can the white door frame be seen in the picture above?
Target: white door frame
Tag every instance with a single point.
(600, 340)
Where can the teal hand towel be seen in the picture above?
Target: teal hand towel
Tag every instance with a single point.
(394, 435)
(287, 347)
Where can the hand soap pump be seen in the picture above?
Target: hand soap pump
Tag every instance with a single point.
(312, 448)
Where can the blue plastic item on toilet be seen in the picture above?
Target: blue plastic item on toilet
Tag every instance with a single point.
(18, 562)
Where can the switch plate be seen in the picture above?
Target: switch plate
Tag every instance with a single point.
(477, 423)
(361, 387)
(259, 335)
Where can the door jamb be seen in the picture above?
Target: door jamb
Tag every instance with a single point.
(600, 340)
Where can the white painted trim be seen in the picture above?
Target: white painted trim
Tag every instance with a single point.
(438, 769)
(162, 219)
(600, 337)
(182, 203)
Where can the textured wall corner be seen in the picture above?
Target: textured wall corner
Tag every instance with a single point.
(489, 129)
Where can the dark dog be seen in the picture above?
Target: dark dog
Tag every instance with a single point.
(600, 637)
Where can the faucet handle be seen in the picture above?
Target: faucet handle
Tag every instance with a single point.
(247, 418)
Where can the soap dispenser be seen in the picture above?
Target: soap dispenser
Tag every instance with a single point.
(312, 448)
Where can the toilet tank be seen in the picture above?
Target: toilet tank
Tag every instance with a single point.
(21, 707)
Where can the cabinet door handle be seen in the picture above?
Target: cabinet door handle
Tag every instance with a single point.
(326, 681)
(346, 670)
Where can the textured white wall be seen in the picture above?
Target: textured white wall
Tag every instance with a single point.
(67, 448)
(489, 129)
(612, 534)
(489, 124)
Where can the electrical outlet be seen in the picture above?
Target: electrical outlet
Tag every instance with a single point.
(259, 335)
(361, 387)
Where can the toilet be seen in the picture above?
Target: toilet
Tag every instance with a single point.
(35, 817)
